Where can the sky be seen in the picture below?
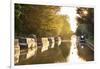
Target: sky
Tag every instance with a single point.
(71, 12)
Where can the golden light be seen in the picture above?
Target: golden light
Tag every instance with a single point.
(71, 12)
(85, 12)
(73, 55)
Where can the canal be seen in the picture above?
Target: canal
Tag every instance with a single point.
(66, 52)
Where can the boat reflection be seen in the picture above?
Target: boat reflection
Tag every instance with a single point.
(47, 50)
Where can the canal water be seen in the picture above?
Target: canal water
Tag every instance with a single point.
(64, 52)
(73, 56)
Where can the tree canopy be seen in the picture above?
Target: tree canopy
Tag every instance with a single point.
(40, 20)
(86, 22)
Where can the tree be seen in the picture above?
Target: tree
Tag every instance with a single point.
(41, 20)
(86, 22)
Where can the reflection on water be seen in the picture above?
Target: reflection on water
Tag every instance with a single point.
(45, 43)
(17, 51)
(73, 56)
(85, 52)
(51, 42)
(50, 51)
(31, 52)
